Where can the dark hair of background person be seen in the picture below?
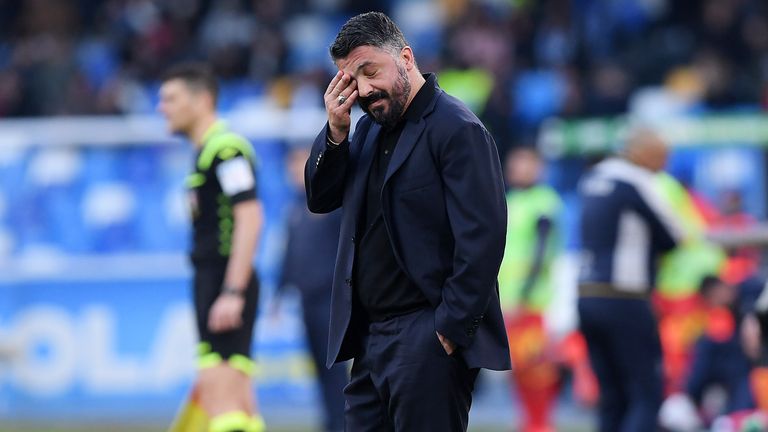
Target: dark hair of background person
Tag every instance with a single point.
(198, 76)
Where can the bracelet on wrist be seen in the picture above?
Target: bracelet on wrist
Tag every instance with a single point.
(332, 142)
(229, 290)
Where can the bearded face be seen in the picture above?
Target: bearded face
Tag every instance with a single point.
(382, 81)
(387, 106)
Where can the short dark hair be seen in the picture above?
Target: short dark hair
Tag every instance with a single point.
(198, 76)
(370, 28)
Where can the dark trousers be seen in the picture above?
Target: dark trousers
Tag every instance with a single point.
(625, 352)
(333, 380)
(404, 381)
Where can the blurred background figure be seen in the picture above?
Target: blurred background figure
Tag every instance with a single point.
(680, 309)
(625, 225)
(754, 336)
(526, 290)
(718, 364)
(525, 286)
(227, 219)
(718, 356)
(310, 257)
(742, 261)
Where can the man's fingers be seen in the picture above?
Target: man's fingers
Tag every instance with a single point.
(217, 320)
(213, 324)
(347, 105)
(348, 90)
(222, 320)
(218, 324)
(343, 108)
(233, 323)
(334, 81)
(341, 85)
(448, 346)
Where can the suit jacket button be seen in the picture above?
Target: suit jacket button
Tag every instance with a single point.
(348, 281)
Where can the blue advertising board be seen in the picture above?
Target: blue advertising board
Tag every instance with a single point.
(118, 349)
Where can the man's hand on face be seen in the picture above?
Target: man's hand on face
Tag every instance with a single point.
(339, 97)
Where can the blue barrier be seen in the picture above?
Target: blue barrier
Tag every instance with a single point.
(121, 349)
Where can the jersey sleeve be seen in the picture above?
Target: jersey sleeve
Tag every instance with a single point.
(235, 169)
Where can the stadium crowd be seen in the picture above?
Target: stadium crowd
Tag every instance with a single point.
(523, 60)
(514, 62)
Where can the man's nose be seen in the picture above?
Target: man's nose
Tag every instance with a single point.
(364, 89)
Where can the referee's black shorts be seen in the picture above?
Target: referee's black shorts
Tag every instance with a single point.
(233, 346)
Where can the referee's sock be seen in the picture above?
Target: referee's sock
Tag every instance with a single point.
(233, 421)
(257, 424)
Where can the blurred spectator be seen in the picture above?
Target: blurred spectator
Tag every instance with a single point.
(225, 37)
(531, 59)
(718, 356)
(754, 338)
(743, 262)
(608, 91)
(680, 311)
(718, 362)
(526, 291)
(526, 287)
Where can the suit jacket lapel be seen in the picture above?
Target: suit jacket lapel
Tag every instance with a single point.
(406, 143)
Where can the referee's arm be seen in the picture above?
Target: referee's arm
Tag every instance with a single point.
(248, 219)
(238, 181)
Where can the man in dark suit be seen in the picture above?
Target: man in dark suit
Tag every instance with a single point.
(415, 299)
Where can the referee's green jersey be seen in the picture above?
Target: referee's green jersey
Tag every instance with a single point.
(224, 175)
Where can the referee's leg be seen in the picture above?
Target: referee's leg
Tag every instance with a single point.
(225, 364)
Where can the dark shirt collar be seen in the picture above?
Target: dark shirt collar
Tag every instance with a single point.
(423, 97)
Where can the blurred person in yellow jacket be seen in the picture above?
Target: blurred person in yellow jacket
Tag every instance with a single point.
(526, 291)
(682, 315)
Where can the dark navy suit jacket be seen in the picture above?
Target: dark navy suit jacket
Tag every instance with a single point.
(444, 210)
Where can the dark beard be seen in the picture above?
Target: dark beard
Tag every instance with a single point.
(397, 101)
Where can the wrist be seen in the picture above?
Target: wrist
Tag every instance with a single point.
(230, 290)
(332, 139)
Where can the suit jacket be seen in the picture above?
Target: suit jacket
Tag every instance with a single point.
(444, 209)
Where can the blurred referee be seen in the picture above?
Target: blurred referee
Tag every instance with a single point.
(227, 219)
(625, 225)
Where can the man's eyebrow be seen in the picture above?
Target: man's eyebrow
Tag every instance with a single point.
(362, 65)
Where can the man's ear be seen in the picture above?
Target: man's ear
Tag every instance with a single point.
(208, 99)
(406, 54)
